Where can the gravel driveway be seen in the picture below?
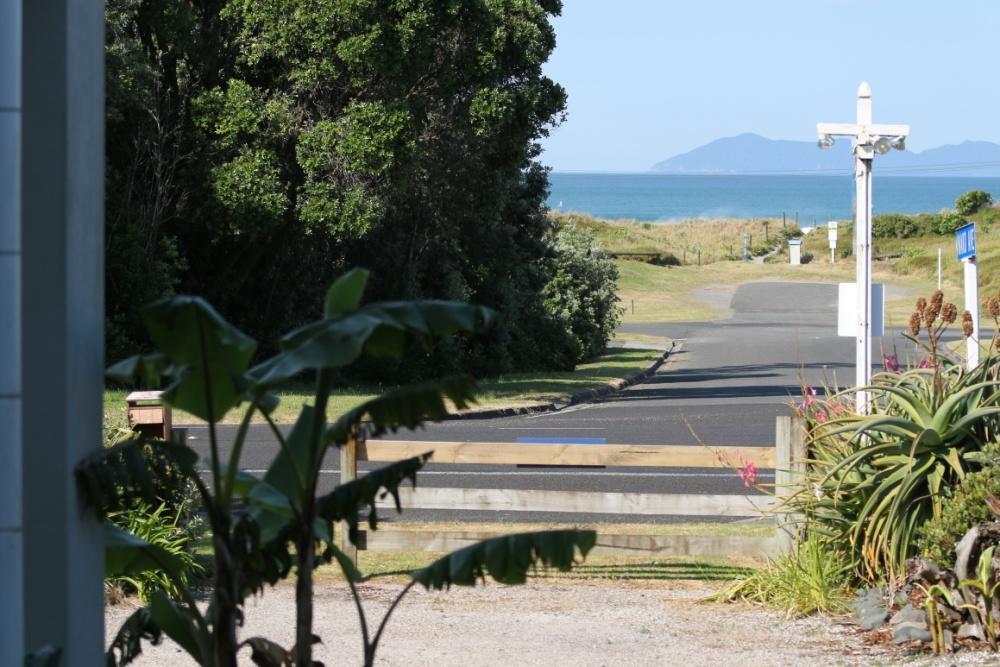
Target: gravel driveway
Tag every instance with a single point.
(552, 623)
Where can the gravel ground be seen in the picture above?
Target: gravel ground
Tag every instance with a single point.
(559, 623)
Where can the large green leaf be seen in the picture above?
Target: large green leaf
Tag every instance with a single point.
(290, 468)
(145, 369)
(406, 407)
(139, 468)
(345, 293)
(208, 354)
(127, 644)
(126, 554)
(337, 341)
(507, 559)
(178, 623)
(346, 501)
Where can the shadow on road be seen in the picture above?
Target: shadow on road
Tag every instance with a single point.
(736, 382)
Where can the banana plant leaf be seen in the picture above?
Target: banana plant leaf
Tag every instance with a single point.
(507, 559)
(380, 328)
(136, 469)
(406, 407)
(208, 354)
(346, 501)
(127, 644)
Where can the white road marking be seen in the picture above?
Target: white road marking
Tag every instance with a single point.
(549, 428)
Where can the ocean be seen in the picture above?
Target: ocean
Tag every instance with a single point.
(664, 198)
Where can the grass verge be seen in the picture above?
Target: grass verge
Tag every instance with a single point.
(652, 293)
(504, 391)
(596, 567)
(807, 581)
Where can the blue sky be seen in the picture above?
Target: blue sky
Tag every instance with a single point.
(648, 79)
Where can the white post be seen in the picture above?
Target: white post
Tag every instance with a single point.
(11, 521)
(868, 139)
(863, 155)
(971, 272)
(62, 320)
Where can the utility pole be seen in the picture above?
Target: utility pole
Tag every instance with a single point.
(765, 231)
(867, 140)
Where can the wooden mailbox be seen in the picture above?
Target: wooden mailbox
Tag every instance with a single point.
(148, 415)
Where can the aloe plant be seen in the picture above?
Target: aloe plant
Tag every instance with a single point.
(206, 362)
(877, 478)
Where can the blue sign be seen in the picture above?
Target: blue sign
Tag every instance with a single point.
(965, 241)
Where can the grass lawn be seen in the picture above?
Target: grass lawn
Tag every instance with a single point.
(684, 293)
(507, 390)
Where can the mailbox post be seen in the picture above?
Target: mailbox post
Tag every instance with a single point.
(795, 251)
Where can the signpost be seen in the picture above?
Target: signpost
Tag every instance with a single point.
(867, 139)
(965, 250)
(831, 236)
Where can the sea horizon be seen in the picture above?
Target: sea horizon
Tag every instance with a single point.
(815, 198)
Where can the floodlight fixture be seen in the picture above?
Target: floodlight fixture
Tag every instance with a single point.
(825, 141)
(882, 145)
(899, 143)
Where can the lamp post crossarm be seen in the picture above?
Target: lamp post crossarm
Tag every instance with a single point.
(855, 130)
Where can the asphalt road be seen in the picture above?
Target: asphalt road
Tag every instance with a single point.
(723, 385)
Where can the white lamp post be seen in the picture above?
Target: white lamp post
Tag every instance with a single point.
(867, 140)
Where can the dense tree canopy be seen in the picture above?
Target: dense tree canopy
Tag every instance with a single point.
(256, 148)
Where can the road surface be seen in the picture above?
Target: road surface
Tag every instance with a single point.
(723, 385)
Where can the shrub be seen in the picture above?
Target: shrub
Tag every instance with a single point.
(582, 294)
(809, 580)
(972, 201)
(961, 508)
(790, 232)
(894, 225)
(163, 527)
(947, 224)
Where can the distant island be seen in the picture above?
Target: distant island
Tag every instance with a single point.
(753, 154)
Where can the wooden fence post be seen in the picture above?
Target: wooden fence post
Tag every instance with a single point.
(790, 461)
(348, 473)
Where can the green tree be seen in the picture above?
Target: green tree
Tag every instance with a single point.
(972, 202)
(294, 138)
(582, 295)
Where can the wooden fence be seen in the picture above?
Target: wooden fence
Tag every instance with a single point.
(786, 457)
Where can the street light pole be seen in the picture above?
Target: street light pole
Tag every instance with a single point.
(867, 140)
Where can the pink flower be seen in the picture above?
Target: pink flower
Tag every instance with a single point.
(807, 396)
(890, 363)
(820, 417)
(748, 473)
(925, 363)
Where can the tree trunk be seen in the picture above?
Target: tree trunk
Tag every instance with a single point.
(304, 601)
(224, 599)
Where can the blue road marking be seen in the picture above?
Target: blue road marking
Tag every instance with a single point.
(563, 441)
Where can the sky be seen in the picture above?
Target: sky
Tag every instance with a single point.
(649, 79)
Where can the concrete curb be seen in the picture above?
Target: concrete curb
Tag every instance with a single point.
(575, 399)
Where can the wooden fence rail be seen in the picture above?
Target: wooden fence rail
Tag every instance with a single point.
(786, 457)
